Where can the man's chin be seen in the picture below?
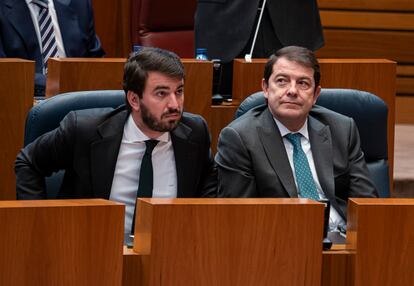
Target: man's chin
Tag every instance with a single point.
(170, 125)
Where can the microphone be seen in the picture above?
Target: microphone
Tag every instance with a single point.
(248, 57)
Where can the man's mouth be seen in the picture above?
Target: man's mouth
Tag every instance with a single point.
(172, 115)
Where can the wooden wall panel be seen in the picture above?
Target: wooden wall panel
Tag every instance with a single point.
(391, 5)
(373, 29)
(396, 46)
(367, 20)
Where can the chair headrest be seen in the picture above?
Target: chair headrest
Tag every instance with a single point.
(368, 111)
(47, 114)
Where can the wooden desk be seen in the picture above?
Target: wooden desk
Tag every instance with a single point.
(337, 267)
(61, 242)
(16, 89)
(76, 74)
(382, 233)
(379, 250)
(226, 242)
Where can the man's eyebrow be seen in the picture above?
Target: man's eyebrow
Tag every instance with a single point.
(281, 74)
(163, 87)
(158, 87)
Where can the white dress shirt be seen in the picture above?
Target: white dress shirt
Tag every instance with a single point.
(126, 177)
(334, 218)
(34, 12)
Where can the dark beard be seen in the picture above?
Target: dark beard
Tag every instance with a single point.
(155, 124)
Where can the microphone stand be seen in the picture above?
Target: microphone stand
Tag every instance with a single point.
(248, 57)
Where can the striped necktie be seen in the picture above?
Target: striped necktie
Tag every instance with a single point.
(304, 179)
(47, 32)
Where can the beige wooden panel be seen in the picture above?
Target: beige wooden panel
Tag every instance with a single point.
(392, 5)
(16, 98)
(229, 242)
(382, 233)
(404, 110)
(397, 46)
(405, 70)
(61, 242)
(367, 20)
(405, 85)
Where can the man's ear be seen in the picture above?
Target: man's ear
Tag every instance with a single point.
(133, 100)
(317, 93)
(265, 87)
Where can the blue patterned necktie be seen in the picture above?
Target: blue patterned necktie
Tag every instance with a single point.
(304, 179)
(47, 32)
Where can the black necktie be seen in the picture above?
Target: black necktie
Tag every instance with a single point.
(145, 176)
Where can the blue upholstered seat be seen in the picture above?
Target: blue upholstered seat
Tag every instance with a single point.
(46, 116)
(370, 115)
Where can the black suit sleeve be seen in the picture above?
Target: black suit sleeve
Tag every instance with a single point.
(2, 53)
(47, 154)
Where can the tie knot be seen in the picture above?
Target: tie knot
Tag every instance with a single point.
(41, 3)
(150, 144)
(294, 138)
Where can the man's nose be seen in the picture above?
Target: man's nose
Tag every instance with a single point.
(173, 101)
(292, 90)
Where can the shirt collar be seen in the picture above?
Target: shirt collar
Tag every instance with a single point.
(284, 130)
(133, 134)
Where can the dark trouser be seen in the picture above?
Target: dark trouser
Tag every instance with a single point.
(267, 43)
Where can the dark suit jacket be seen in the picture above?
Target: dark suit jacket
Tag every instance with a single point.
(18, 36)
(86, 146)
(225, 26)
(252, 160)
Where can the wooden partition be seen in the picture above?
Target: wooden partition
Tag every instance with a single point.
(373, 75)
(76, 74)
(16, 89)
(374, 29)
(381, 231)
(227, 242)
(62, 242)
(113, 26)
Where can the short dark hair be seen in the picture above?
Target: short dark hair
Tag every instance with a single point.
(149, 59)
(297, 54)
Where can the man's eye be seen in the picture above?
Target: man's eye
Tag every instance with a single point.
(281, 81)
(179, 92)
(304, 84)
(161, 93)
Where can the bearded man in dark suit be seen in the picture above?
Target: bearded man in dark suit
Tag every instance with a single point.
(101, 151)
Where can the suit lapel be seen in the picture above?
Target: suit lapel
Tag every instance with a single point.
(321, 145)
(19, 16)
(69, 27)
(275, 151)
(104, 154)
(185, 161)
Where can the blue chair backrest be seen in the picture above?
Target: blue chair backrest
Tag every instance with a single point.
(46, 116)
(370, 115)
